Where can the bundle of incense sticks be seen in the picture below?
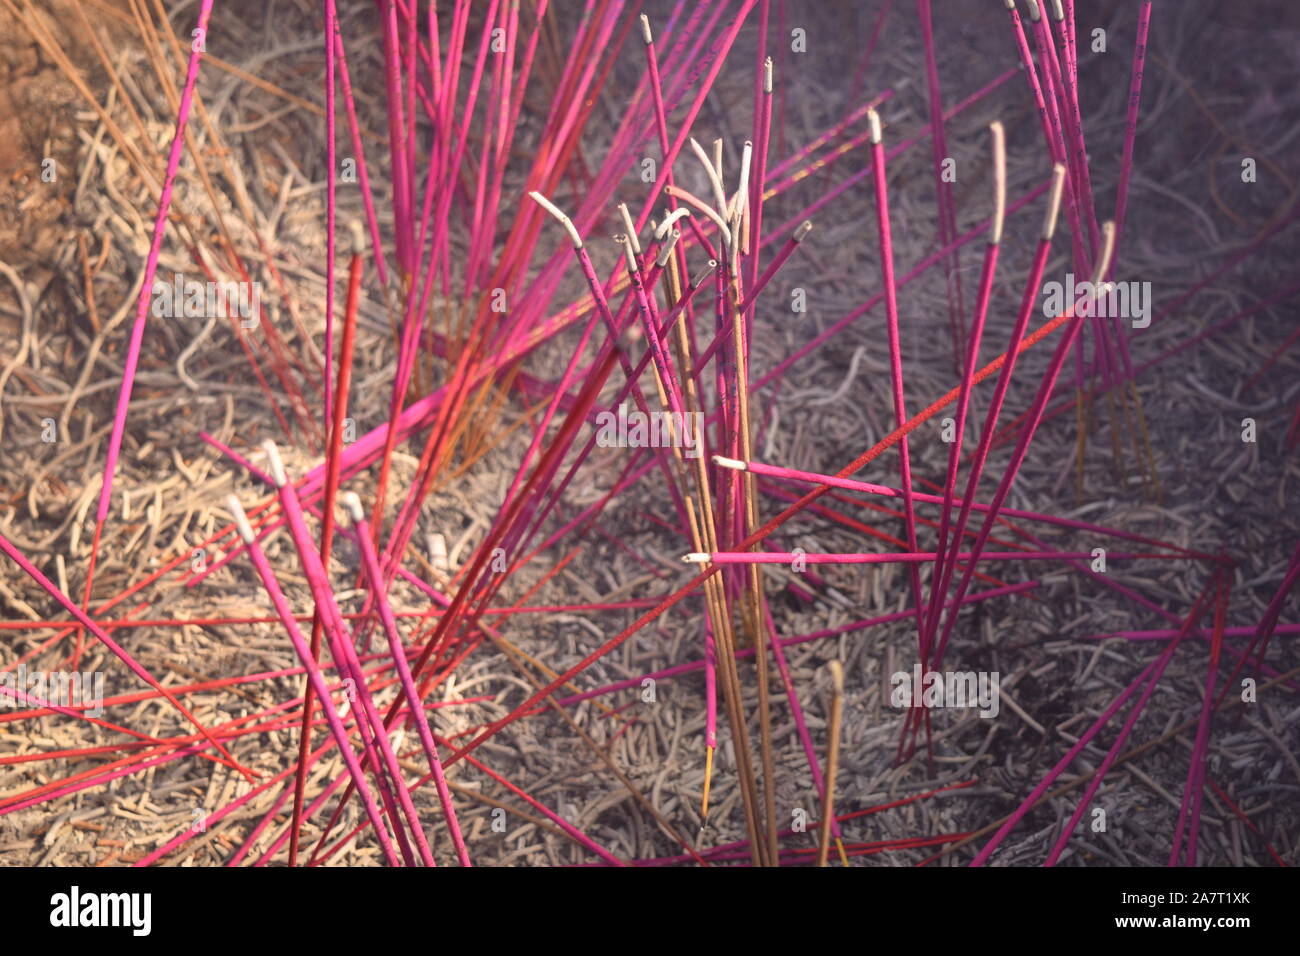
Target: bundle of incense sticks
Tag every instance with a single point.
(500, 176)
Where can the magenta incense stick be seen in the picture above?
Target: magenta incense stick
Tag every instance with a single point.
(895, 350)
(370, 561)
(852, 484)
(968, 372)
(1076, 312)
(341, 645)
(146, 288)
(117, 650)
(495, 126)
(330, 208)
(897, 557)
(314, 675)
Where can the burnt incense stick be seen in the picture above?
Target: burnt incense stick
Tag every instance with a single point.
(832, 759)
(483, 347)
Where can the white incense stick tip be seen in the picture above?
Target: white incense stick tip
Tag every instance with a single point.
(742, 191)
(627, 252)
(837, 676)
(873, 123)
(704, 273)
(999, 181)
(662, 259)
(802, 230)
(241, 520)
(667, 224)
(767, 75)
(645, 30)
(1054, 200)
(630, 226)
(1107, 250)
(358, 237)
(713, 169)
(1034, 13)
(352, 505)
(696, 557)
(564, 220)
(1058, 11)
(437, 542)
(1011, 4)
(733, 463)
(275, 463)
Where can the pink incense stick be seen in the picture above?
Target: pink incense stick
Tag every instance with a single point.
(341, 645)
(1046, 56)
(968, 373)
(1055, 146)
(330, 207)
(402, 228)
(1075, 311)
(1131, 121)
(943, 190)
(852, 484)
(944, 573)
(982, 857)
(692, 666)
(895, 351)
(754, 201)
(1070, 112)
(117, 650)
(340, 733)
(333, 463)
(146, 287)
(1195, 788)
(370, 560)
(363, 175)
(899, 557)
(1156, 669)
